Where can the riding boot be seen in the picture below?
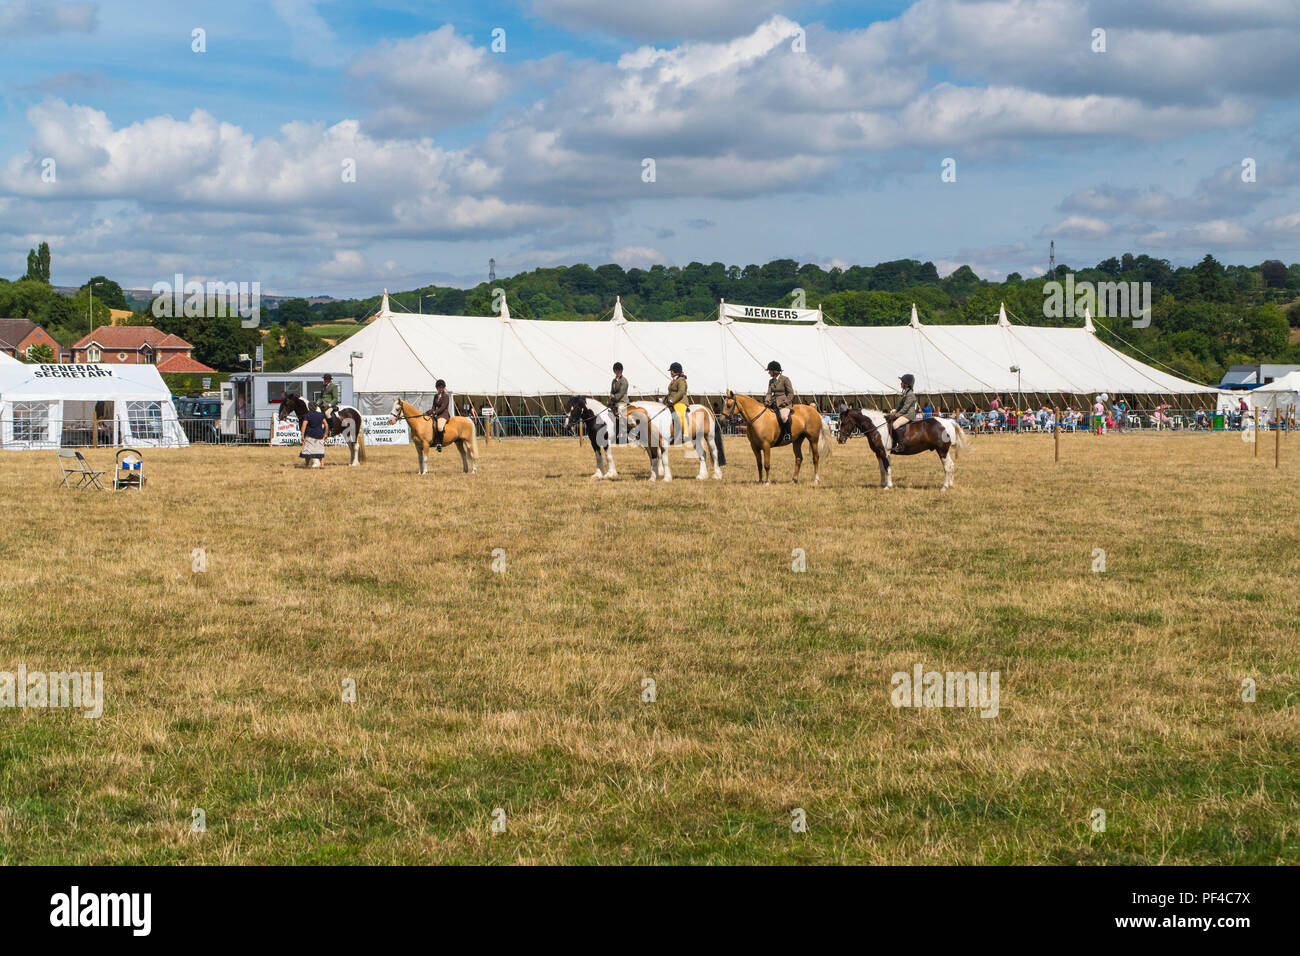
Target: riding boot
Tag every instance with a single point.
(784, 438)
(438, 440)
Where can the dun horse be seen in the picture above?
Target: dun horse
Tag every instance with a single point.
(651, 424)
(459, 430)
(941, 435)
(347, 422)
(763, 428)
(599, 422)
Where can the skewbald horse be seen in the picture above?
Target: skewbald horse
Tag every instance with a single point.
(942, 435)
(420, 424)
(347, 423)
(764, 427)
(652, 425)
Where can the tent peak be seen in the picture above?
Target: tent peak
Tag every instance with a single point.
(1087, 321)
(1003, 322)
(383, 305)
(915, 320)
(619, 318)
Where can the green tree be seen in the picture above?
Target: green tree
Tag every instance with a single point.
(107, 291)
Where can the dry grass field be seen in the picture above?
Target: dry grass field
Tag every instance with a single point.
(1120, 690)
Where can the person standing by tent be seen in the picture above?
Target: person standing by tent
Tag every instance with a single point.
(1099, 415)
(618, 403)
(780, 398)
(330, 397)
(439, 412)
(908, 409)
(676, 399)
(315, 429)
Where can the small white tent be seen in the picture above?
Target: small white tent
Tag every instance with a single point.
(46, 406)
(1280, 395)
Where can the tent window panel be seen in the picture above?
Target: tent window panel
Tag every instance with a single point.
(145, 419)
(31, 421)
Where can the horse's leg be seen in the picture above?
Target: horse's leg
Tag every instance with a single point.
(713, 452)
(654, 462)
(948, 468)
(888, 468)
(815, 448)
(767, 464)
(701, 448)
(667, 471)
(758, 460)
(798, 458)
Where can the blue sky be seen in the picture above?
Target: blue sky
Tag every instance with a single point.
(811, 130)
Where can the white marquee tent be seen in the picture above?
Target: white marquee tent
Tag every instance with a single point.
(1281, 394)
(405, 353)
(45, 406)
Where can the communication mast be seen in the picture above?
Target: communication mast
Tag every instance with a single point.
(492, 270)
(1051, 260)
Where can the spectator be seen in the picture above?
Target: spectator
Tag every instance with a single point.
(315, 429)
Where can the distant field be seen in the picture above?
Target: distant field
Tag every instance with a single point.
(334, 330)
(521, 690)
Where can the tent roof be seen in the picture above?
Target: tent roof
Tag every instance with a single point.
(406, 352)
(19, 382)
(1290, 382)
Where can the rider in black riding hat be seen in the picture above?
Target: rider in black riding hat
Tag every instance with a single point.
(908, 410)
(780, 398)
(439, 412)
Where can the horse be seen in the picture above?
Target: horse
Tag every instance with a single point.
(600, 423)
(942, 435)
(345, 422)
(805, 424)
(420, 424)
(651, 424)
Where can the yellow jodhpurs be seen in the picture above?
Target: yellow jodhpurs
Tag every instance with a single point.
(679, 409)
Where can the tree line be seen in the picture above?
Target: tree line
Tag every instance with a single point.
(1205, 317)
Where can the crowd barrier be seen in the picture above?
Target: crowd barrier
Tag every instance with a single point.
(501, 427)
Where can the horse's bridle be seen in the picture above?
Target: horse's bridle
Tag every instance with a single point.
(740, 411)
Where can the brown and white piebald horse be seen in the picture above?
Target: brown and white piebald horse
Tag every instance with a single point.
(763, 428)
(459, 430)
(346, 422)
(941, 435)
(650, 424)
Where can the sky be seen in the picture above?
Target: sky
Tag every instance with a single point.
(323, 147)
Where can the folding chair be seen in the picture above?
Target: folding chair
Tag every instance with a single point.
(74, 465)
(130, 470)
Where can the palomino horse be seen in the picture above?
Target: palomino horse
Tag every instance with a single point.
(651, 424)
(599, 422)
(941, 435)
(459, 430)
(763, 428)
(347, 422)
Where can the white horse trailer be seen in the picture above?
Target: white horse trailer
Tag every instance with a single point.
(261, 392)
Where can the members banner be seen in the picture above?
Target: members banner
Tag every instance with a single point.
(755, 312)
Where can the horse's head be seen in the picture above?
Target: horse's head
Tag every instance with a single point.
(729, 404)
(850, 421)
(395, 413)
(288, 405)
(576, 409)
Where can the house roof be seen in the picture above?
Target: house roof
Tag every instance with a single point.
(131, 337)
(13, 331)
(181, 363)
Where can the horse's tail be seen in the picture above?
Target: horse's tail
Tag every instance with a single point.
(473, 439)
(963, 441)
(824, 444)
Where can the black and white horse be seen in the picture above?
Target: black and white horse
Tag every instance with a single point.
(599, 422)
(346, 422)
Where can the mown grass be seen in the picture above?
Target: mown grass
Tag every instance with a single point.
(522, 690)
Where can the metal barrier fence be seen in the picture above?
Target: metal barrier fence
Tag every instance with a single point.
(258, 431)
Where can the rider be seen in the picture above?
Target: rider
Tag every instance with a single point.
(907, 410)
(618, 404)
(330, 398)
(439, 412)
(780, 398)
(676, 398)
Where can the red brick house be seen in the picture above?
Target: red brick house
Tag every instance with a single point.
(17, 336)
(137, 345)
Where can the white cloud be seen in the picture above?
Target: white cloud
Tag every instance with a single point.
(19, 18)
(426, 82)
(658, 20)
(1078, 227)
